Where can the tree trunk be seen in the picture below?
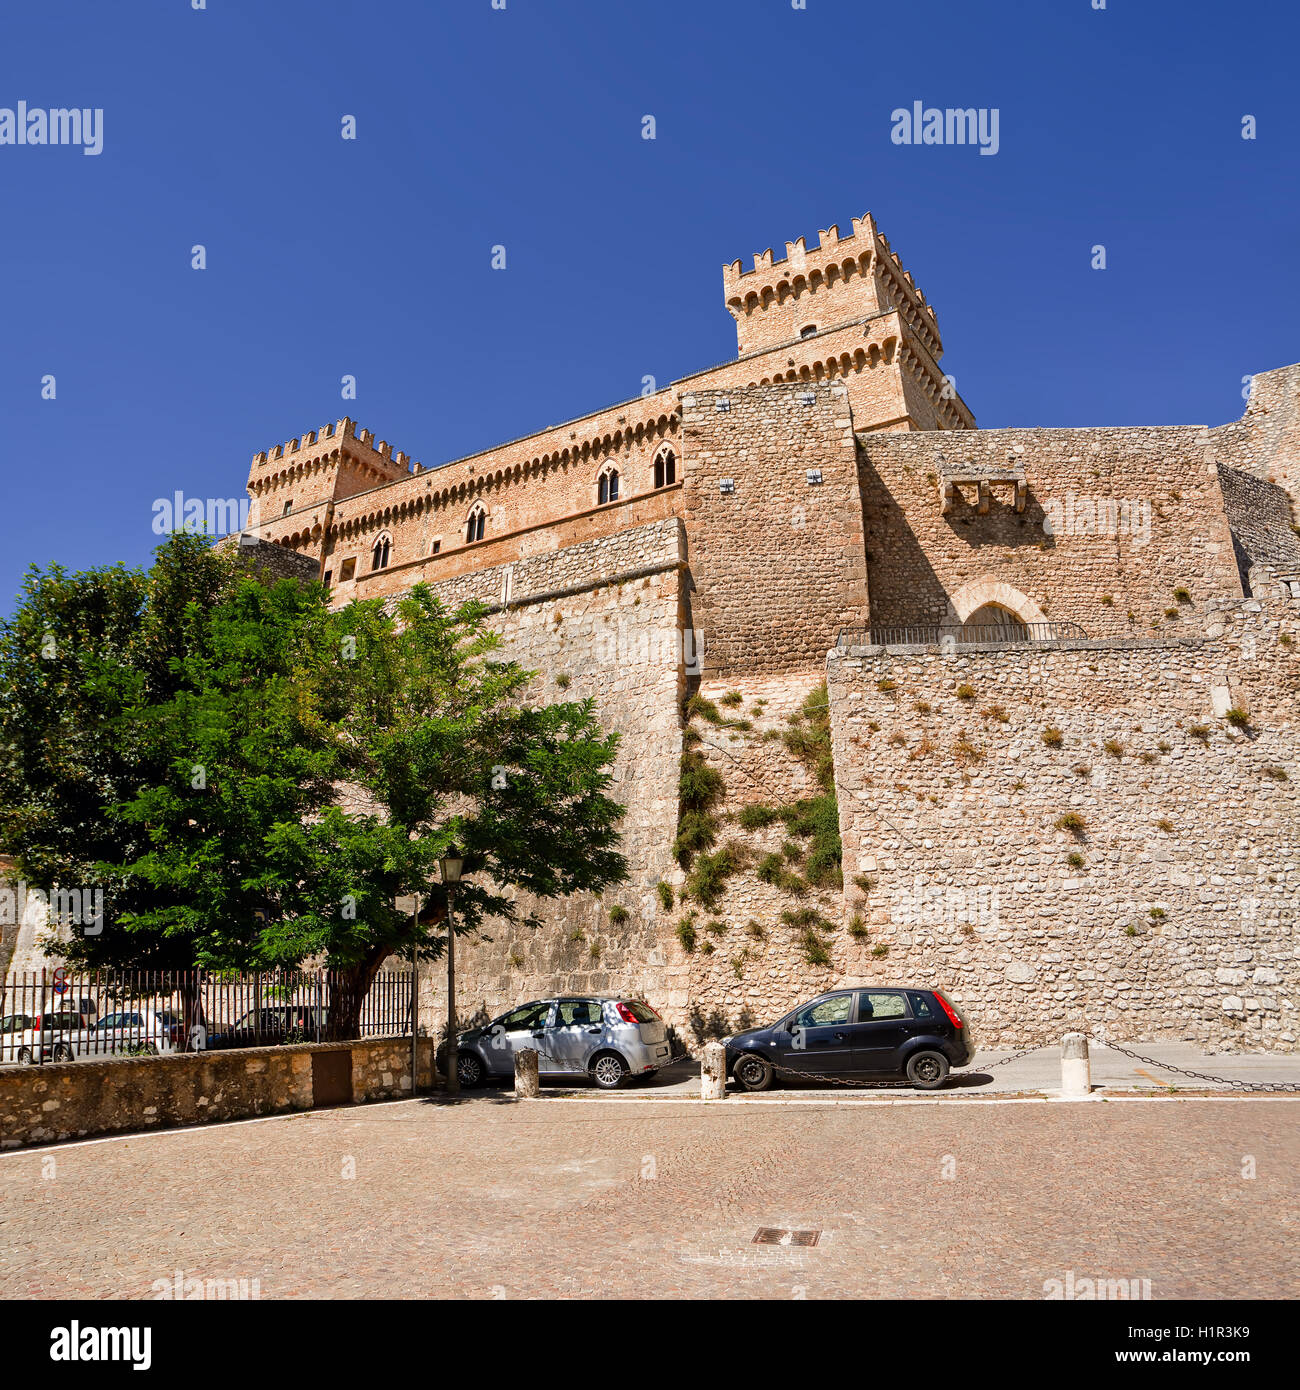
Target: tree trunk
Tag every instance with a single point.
(349, 989)
(191, 1010)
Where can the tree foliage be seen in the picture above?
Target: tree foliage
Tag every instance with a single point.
(257, 780)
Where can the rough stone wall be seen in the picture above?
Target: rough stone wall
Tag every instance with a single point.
(1266, 440)
(621, 645)
(270, 559)
(778, 562)
(1177, 918)
(1263, 534)
(112, 1095)
(1125, 515)
(737, 976)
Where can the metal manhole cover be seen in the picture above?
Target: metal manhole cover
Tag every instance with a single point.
(772, 1235)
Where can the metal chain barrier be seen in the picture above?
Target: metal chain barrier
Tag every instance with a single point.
(1228, 1081)
(881, 1085)
(1232, 1083)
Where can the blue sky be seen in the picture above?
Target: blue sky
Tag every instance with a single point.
(523, 127)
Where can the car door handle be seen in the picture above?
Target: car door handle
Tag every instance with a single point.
(841, 1037)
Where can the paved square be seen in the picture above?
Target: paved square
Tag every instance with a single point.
(493, 1198)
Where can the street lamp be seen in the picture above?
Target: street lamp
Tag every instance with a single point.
(450, 865)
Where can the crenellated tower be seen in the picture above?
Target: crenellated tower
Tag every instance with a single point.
(841, 305)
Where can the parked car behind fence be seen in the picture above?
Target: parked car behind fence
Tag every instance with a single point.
(59, 1015)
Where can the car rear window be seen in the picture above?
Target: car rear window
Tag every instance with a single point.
(873, 1004)
(643, 1013)
(580, 1011)
(921, 1006)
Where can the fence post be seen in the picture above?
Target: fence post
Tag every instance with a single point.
(39, 1045)
(713, 1072)
(527, 1086)
(1076, 1069)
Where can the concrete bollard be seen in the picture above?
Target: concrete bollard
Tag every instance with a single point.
(1076, 1070)
(527, 1086)
(713, 1072)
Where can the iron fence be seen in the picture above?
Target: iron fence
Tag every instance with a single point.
(983, 634)
(61, 1015)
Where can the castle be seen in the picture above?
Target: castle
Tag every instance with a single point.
(1061, 669)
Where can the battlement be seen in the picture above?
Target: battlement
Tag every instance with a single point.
(796, 251)
(780, 300)
(333, 434)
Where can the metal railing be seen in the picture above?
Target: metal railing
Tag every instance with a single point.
(61, 1015)
(990, 634)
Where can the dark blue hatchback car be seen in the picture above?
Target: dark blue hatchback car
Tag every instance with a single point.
(885, 1032)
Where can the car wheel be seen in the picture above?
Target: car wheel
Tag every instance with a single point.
(469, 1070)
(62, 1052)
(927, 1070)
(25, 1058)
(608, 1071)
(753, 1073)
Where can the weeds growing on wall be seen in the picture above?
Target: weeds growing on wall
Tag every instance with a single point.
(811, 823)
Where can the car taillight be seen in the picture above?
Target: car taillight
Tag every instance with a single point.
(948, 1009)
(625, 1013)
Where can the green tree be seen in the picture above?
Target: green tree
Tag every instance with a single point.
(257, 781)
(443, 748)
(80, 657)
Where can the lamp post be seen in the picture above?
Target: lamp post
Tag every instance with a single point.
(415, 996)
(451, 865)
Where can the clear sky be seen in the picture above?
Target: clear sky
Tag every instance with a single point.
(522, 127)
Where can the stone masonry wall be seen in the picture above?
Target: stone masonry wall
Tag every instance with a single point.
(114, 1095)
(1263, 533)
(1170, 912)
(620, 644)
(1266, 440)
(1115, 520)
(778, 562)
(747, 966)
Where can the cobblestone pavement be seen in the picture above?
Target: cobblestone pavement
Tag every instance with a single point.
(493, 1198)
(1039, 1071)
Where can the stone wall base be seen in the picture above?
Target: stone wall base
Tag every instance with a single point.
(75, 1100)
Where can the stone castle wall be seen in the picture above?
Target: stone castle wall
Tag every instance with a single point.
(1114, 521)
(1266, 440)
(746, 966)
(1177, 919)
(775, 524)
(1263, 533)
(619, 643)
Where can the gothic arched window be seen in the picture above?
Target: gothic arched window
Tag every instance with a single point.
(475, 523)
(665, 466)
(382, 549)
(607, 487)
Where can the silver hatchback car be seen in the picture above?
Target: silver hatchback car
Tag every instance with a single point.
(606, 1037)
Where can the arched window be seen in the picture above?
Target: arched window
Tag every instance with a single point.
(607, 487)
(665, 466)
(808, 330)
(475, 523)
(382, 549)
